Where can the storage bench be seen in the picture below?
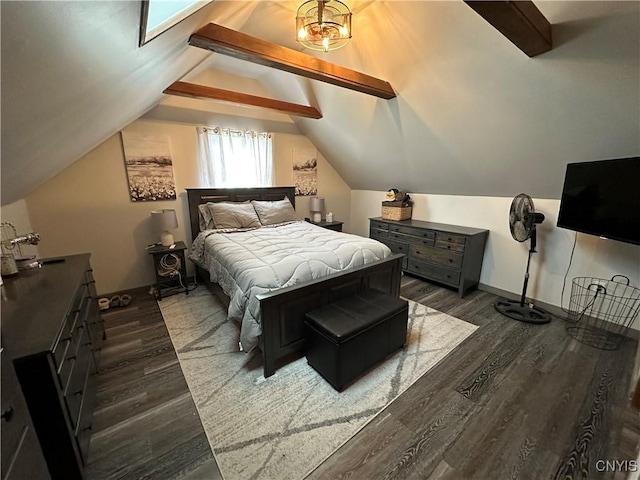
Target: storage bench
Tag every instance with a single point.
(351, 335)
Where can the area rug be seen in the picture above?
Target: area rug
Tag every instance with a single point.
(284, 426)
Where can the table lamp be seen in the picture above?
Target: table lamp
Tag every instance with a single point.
(163, 221)
(316, 206)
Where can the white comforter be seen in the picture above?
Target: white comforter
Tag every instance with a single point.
(247, 263)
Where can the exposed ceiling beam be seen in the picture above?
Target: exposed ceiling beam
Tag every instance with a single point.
(192, 90)
(521, 22)
(239, 45)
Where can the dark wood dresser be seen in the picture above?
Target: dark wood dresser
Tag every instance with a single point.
(448, 254)
(52, 328)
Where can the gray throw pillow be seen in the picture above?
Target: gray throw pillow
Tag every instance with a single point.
(233, 215)
(272, 213)
(204, 217)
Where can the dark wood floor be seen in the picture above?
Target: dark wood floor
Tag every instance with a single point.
(513, 401)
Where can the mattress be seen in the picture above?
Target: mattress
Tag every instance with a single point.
(249, 263)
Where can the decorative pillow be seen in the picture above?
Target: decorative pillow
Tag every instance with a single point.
(234, 215)
(204, 217)
(271, 213)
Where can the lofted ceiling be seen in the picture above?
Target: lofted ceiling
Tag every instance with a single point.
(473, 114)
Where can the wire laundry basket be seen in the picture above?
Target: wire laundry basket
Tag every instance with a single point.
(601, 311)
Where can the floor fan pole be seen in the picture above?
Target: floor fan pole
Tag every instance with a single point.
(518, 310)
(532, 250)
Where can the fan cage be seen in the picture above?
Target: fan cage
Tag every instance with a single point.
(601, 311)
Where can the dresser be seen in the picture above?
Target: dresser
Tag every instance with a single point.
(447, 254)
(53, 330)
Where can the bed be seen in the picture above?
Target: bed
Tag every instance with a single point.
(281, 311)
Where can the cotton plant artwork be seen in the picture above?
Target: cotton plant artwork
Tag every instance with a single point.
(149, 167)
(305, 171)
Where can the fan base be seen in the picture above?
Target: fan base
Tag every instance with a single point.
(513, 309)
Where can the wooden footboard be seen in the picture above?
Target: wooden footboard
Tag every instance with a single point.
(283, 311)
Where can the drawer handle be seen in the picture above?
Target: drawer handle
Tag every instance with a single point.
(79, 392)
(448, 246)
(450, 260)
(72, 357)
(7, 415)
(85, 429)
(418, 252)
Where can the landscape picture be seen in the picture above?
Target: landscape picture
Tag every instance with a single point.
(149, 167)
(305, 172)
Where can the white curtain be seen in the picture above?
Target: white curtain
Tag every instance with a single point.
(232, 158)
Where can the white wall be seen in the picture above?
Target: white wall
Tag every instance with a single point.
(505, 259)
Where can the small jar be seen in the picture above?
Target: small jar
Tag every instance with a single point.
(329, 217)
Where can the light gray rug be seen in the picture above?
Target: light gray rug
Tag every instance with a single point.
(284, 426)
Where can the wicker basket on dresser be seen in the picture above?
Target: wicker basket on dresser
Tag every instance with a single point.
(447, 254)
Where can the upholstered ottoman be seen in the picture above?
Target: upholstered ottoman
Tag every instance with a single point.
(351, 335)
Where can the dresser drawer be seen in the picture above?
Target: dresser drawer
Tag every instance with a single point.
(435, 255)
(397, 247)
(414, 232)
(74, 389)
(434, 272)
(451, 238)
(406, 238)
(374, 224)
(88, 402)
(15, 424)
(378, 233)
(454, 247)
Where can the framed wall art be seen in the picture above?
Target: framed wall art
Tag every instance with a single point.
(305, 171)
(149, 167)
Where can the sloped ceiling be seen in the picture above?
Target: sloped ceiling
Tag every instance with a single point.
(473, 116)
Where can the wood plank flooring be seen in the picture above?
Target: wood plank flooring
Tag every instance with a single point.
(514, 401)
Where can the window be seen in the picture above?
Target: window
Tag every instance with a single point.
(233, 158)
(160, 15)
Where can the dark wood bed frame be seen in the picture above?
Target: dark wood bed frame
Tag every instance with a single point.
(283, 311)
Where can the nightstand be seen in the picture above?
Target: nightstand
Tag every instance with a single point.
(336, 226)
(170, 268)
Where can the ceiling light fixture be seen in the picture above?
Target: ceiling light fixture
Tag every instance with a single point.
(323, 25)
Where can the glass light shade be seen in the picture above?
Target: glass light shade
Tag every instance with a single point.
(323, 25)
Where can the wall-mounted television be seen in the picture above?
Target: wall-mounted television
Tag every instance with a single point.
(603, 198)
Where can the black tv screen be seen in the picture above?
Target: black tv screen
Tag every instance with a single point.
(603, 198)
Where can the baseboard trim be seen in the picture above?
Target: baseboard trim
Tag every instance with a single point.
(552, 309)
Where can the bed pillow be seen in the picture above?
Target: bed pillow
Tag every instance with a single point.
(205, 219)
(272, 213)
(234, 215)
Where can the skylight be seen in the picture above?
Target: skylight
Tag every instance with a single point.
(160, 15)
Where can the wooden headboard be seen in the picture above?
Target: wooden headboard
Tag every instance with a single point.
(197, 196)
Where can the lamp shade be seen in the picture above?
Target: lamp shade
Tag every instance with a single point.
(163, 221)
(316, 204)
(316, 207)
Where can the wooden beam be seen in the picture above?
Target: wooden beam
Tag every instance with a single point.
(521, 22)
(185, 89)
(239, 45)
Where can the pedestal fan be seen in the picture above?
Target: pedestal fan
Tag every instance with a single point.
(522, 222)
